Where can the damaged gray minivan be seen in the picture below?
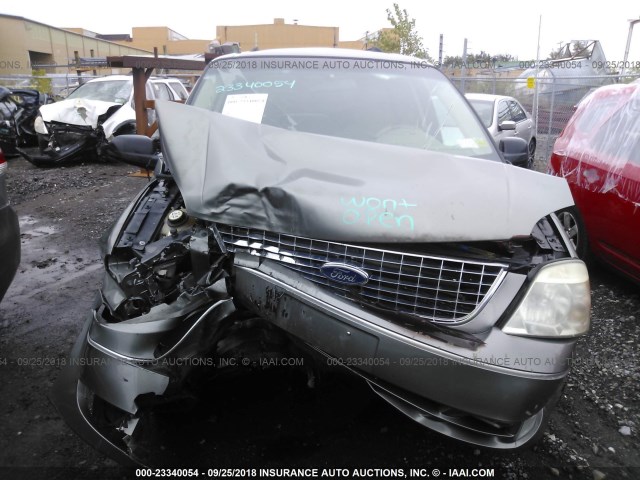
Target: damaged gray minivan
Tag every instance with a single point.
(350, 206)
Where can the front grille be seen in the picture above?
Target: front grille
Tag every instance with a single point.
(440, 289)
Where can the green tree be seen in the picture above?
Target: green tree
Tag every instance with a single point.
(402, 37)
(482, 58)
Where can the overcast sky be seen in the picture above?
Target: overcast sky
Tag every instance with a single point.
(495, 27)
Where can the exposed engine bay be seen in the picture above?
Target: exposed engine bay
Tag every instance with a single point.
(164, 253)
(170, 276)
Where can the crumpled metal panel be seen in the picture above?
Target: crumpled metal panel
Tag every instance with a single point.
(599, 150)
(245, 174)
(76, 111)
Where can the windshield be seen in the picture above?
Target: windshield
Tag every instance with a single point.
(484, 108)
(369, 100)
(116, 91)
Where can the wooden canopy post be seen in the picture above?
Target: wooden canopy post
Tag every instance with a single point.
(140, 77)
(142, 67)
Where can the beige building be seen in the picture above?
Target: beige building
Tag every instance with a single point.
(26, 44)
(167, 41)
(282, 35)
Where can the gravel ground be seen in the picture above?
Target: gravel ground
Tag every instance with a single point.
(272, 420)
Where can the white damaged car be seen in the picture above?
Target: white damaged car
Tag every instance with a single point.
(79, 126)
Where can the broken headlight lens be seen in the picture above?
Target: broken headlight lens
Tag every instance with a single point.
(39, 126)
(557, 303)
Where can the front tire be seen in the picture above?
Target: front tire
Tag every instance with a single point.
(532, 153)
(573, 225)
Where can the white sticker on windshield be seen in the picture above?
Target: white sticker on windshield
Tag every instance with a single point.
(467, 143)
(249, 106)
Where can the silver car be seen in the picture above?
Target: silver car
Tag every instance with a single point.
(505, 117)
(343, 207)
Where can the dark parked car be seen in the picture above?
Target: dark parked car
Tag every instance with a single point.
(342, 206)
(598, 153)
(7, 126)
(18, 111)
(9, 234)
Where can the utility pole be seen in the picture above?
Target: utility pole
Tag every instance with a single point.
(537, 75)
(626, 50)
(464, 65)
(440, 51)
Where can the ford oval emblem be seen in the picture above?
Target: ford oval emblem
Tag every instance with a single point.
(343, 273)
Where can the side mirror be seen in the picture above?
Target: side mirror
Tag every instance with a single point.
(507, 125)
(135, 150)
(515, 150)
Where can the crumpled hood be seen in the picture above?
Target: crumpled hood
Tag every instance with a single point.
(251, 175)
(76, 111)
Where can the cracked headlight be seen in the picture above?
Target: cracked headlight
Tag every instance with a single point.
(557, 303)
(39, 126)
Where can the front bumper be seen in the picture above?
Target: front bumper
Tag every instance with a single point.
(72, 398)
(51, 158)
(496, 396)
(66, 144)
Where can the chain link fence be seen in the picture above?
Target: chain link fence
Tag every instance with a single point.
(58, 86)
(551, 100)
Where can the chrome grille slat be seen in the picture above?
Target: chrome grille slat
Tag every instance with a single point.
(446, 290)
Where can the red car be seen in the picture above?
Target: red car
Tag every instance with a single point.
(598, 153)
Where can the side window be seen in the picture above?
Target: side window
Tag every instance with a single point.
(163, 92)
(517, 113)
(503, 111)
(180, 90)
